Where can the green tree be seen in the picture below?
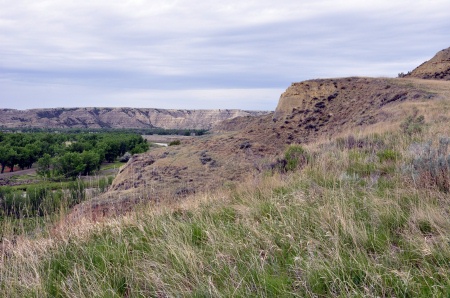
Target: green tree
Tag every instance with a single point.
(35, 153)
(91, 161)
(112, 150)
(70, 165)
(44, 165)
(4, 156)
(140, 148)
(26, 156)
(12, 159)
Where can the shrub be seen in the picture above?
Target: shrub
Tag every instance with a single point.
(431, 167)
(175, 143)
(413, 124)
(402, 75)
(388, 155)
(70, 165)
(126, 157)
(295, 156)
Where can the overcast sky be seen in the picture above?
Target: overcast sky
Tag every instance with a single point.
(200, 54)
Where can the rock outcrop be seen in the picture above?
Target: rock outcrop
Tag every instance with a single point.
(437, 68)
(329, 105)
(117, 118)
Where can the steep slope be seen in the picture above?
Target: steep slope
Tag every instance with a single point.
(437, 68)
(245, 145)
(324, 107)
(117, 118)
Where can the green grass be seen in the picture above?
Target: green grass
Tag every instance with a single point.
(54, 185)
(34, 208)
(23, 177)
(318, 232)
(113, 165)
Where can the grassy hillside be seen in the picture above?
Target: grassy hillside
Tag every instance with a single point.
(362, 214)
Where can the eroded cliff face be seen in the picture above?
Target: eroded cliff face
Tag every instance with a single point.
(118, 118)
(327, 104)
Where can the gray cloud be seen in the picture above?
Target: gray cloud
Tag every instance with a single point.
(194, 53)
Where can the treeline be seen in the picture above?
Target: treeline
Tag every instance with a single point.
(66, 155)
(141, 131)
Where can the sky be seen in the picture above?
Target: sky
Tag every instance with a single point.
(203, 54)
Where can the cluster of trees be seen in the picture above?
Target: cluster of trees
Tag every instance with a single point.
(402, 75)
(66, 154)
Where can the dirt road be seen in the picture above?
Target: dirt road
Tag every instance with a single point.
(18, 173)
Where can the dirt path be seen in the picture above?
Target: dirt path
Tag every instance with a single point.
(33, 171)
(435, 86)
(18, 173)
(165, 138)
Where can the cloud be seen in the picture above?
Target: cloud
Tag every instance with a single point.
(98, 49)
(59, 95)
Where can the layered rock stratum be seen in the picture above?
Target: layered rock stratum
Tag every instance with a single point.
(118, 118)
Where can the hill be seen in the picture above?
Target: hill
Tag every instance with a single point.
(437, 68)
(117, 118)
(342, 191)
(239, 147)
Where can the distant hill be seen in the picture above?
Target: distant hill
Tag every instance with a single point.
(437, 68)
(118, 118)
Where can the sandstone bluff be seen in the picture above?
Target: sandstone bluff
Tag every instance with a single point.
(118, 118)
(437, 68)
